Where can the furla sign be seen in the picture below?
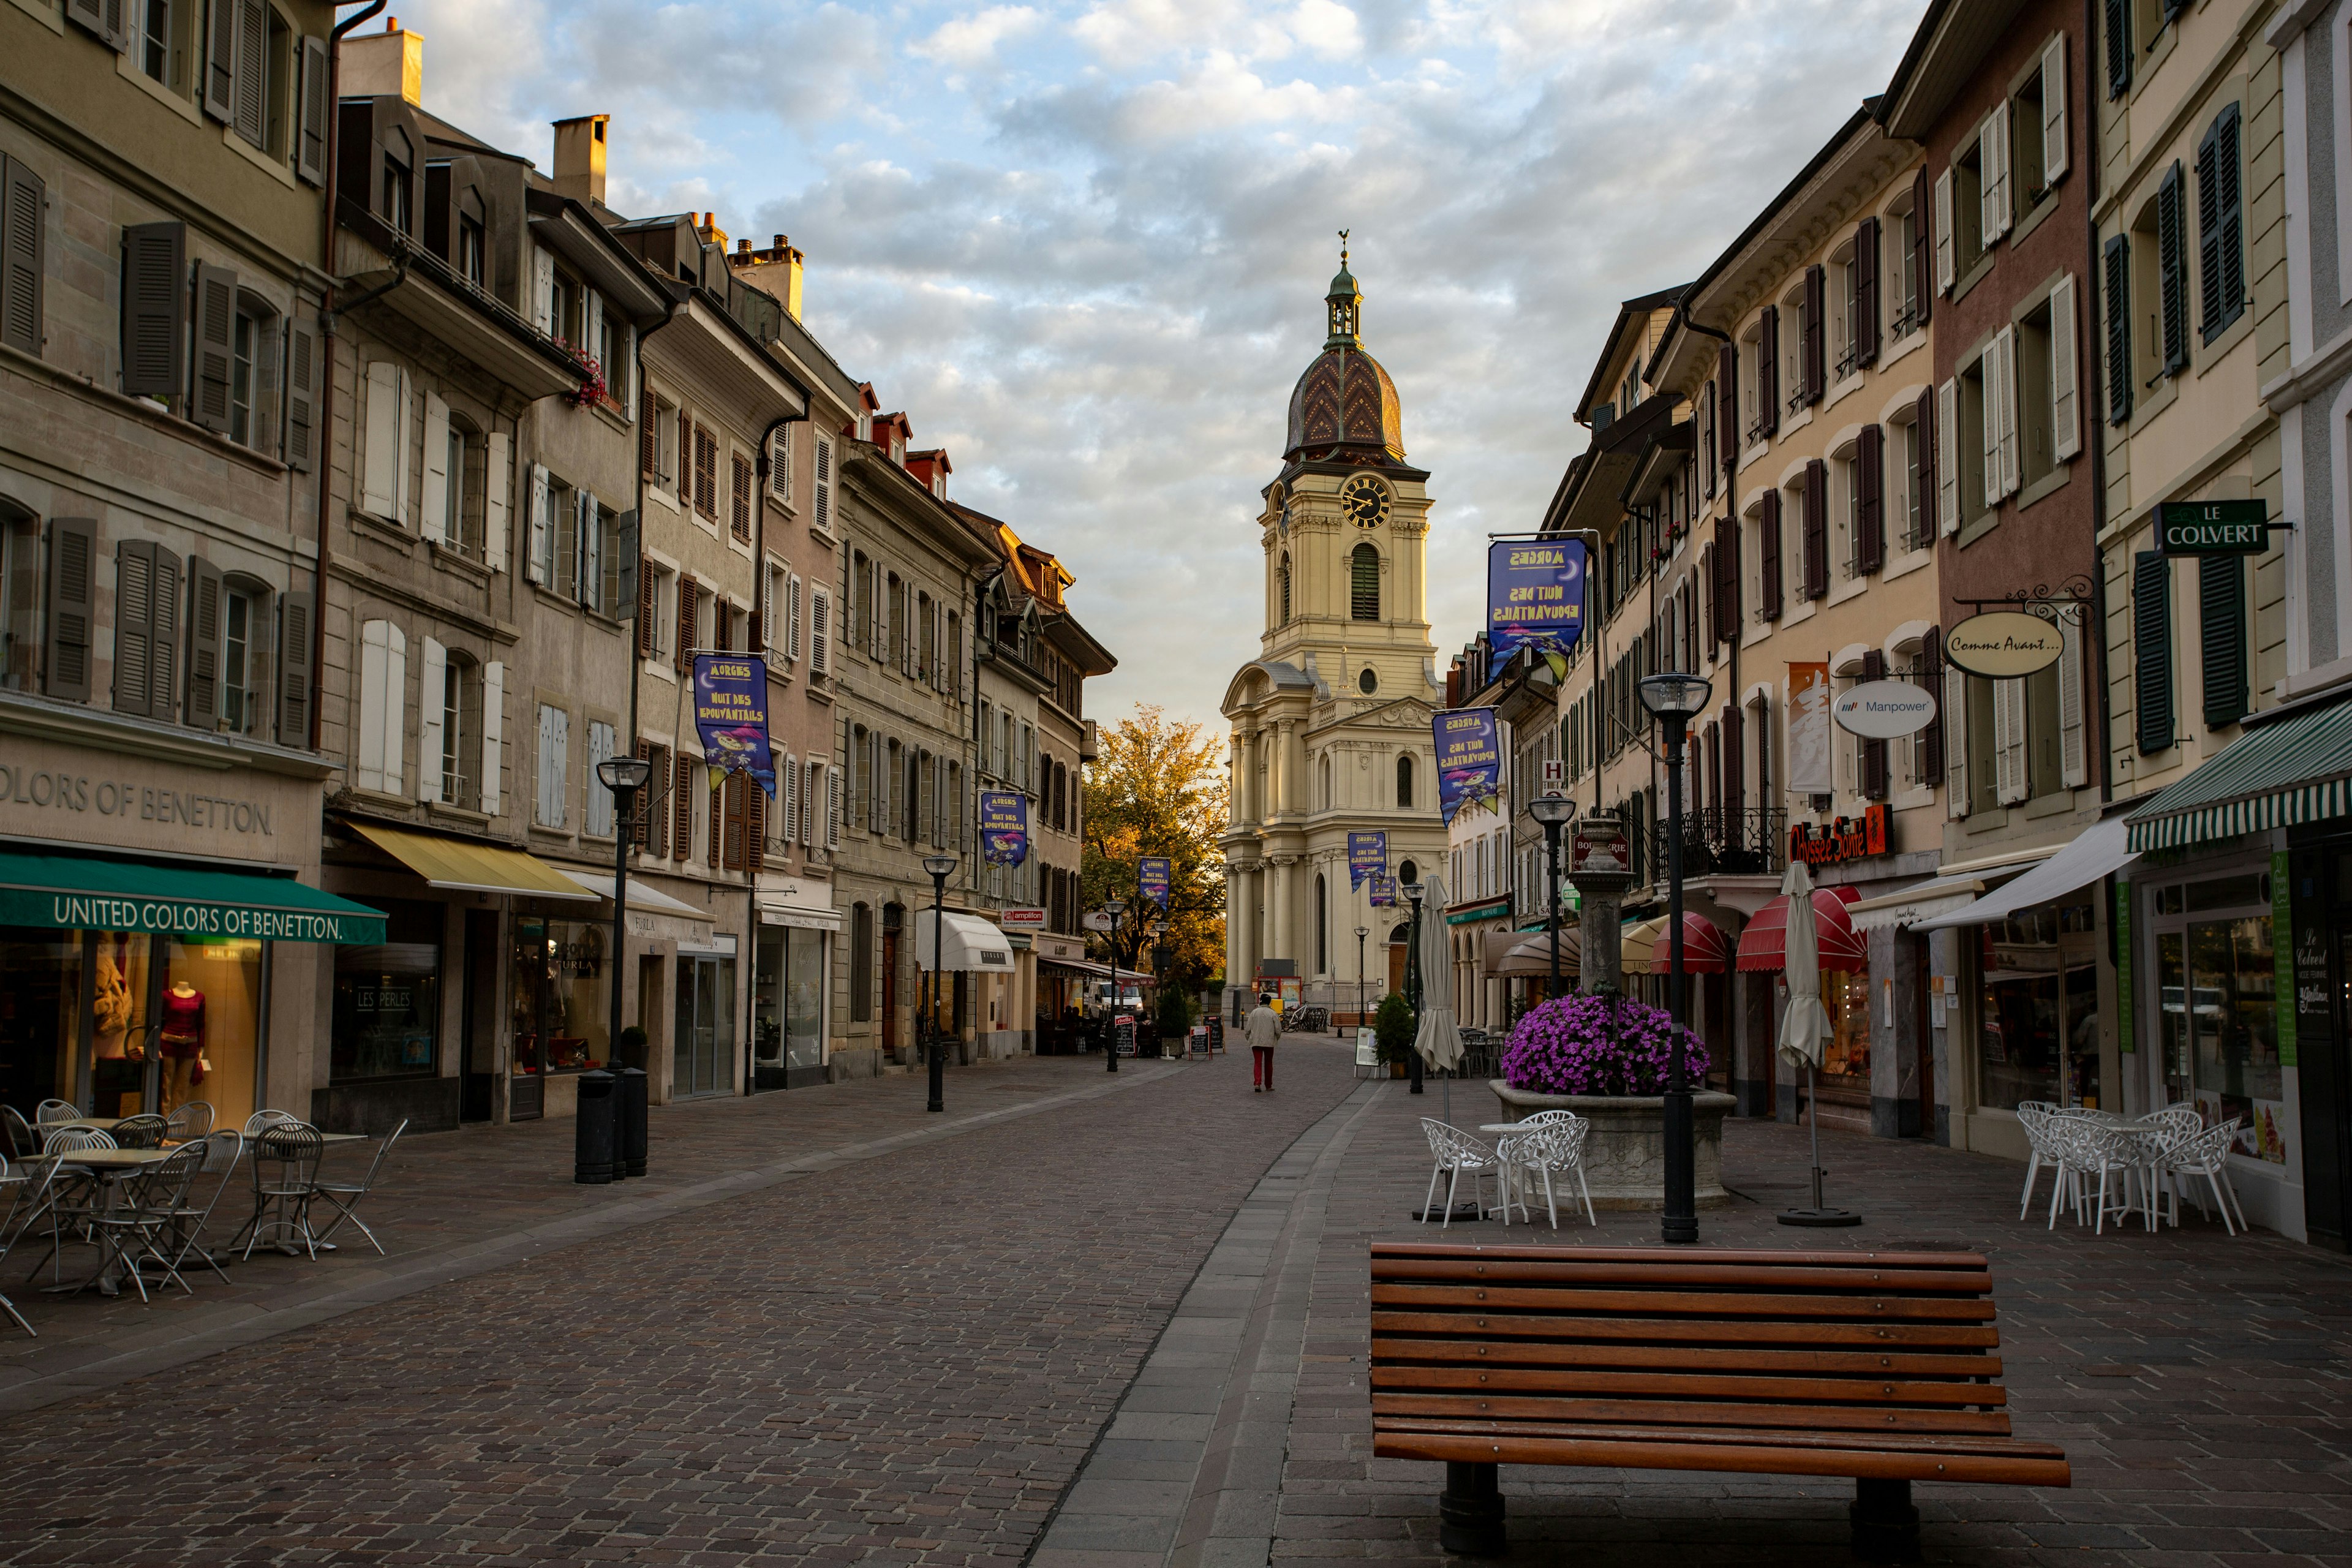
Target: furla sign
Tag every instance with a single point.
(2003, 645)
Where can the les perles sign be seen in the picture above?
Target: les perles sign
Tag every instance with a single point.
(2003, 645)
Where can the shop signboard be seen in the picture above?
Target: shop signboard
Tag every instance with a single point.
(2003, 645)
(1469, 759)
(1847, 838)
(1809, 728)
(1884, 709)
(1094, 919)
(1153, 874)
(2212, 527)
(1535, 598)
(1022, 920)
(1367, 856)
(1003, 826)
(730, 716)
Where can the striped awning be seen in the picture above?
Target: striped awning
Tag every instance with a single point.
(2294, 771)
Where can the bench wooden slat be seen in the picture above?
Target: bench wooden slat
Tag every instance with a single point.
(1534, 1411)
(1690, 1275)
(1776, 1459)
(1695, 1304)
(1890, 1442)
(1726, 1255)
(1502, 1325)
(1671, 1386)
(1695, 1358)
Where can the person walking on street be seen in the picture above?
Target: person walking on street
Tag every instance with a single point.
(1262, 1028)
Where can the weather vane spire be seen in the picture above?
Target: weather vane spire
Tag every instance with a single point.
(1343, 248)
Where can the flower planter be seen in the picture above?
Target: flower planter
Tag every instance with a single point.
(1625, 1151)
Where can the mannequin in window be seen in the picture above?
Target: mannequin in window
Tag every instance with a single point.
(181, 1042)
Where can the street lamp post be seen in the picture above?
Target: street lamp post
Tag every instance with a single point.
(1414, 893)
(1673, 699)
(940, 867)
(1113, 907)
(1551, 813)
(1361, 933)
(624, 776)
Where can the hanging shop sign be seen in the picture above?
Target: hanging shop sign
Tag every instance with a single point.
(1094, 919)
(1847, 838)
(1003, 826)
(1535, 598)
(1469, 759)
(1884, 709)
(1022, 920)
(2213, 527)
(1367, 856)
(731, 715)
(2003, 645)
(1808, 726)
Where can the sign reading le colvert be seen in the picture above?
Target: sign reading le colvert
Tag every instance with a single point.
(2003, 645)
(2212, 527)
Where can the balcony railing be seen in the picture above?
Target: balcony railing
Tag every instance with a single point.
(1722, 841)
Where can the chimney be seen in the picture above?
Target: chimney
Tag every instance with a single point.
(383, 65)
(580, 158)
(710, 233)
(775, 272)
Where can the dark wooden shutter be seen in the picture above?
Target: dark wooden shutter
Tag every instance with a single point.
(681, 816)
(105, 18)
(2222, 633)
(1769, 555)
(2220, 228)
(1922, 446)
(1714, 605)
(1767, 371)
(683, 655)
(1734, 785)
(2119, 49)
(1817, 529)
(641, 817)
(204, 704)
(648, 435)
(648, 610)
(738, 499)
(1866, 292)
(73, 571)
(23, 202)
(297, 623)
(220, 62)
(1873, 753)
(2172, 266)
(720, 826)
(1816, 343)
(154, 310)
(215, 345)
(1931, 675)
(303, 372)
(721, 633)
(310, 135)
(252, 119)
(134, 629)
(1870, 512)
(1727, 406)
(2117, 263)
(755, 826)
(2152, 648)
(1923, 245)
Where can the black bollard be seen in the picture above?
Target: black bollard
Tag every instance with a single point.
(591, 1130)
(630, 1125)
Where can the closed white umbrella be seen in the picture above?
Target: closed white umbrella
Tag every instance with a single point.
(1805, 1023)
(1439, 1041)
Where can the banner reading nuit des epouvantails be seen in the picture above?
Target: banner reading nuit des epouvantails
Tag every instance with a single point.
(731, 714)
(1469, 759)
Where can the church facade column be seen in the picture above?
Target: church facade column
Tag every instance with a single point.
(1294, 769)
(1236, 936)
(1278, 941)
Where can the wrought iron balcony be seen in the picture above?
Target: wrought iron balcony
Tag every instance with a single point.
(1722, 841)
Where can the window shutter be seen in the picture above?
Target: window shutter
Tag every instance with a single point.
(380, 456)
(2054, 110)
(648, 435)
(497, 479)
(719, 823)
(763, 628)
(1866, 292)
(2234, 215)
(683, 655)
(434, 676)
(821, 505)
(2074, 757)
(819, 632)
(1873, 753)
(1727, 407)
(73, 554)
(2119, 49)
(301, 393)
(434, 499)
(252, 68)
(755, 826)
(1769, 555)
(1943, 227)
(220, 63)
(204, 644)
(2152, 648)
(396, 708)
(2011, 469)
(648, 610)
(154, 310)
(2065, 417)
(215, 345)
(590, 589)
(2172, 268)
(2222, 630)
(1734, 786)
(1992, 161)
(2011, 780)
(780, 466)
(297, 616)
(494, 718)
(542, 290)
(1816, 339)
(1989, 421)
(792, 620)
(2220, 222)
(832, 808)
(368, 743)
(591, 331)
(1870, 482)
(163, 634)
(1925, 442)
(1768, 370)
(1816, 530)
(310, 136)
(738, 497)
(1931, 675)
(706, 472)
(559, 771)
(1924, 230)
(134, 614)
(1955, 717)
(681, 808)
(536, 563)
(2209, 232)
(2117, 261)
(23, 229)
(1714, 611)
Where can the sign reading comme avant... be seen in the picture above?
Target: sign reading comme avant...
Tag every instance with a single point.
(2003, 645)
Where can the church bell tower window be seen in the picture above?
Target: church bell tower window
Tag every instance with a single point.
(1286, 592)
(1364, 584)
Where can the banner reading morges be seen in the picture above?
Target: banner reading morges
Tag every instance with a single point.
(1003, 826)
(731, 714)
(1535, 598)
(1367, 856)
(1469, 759)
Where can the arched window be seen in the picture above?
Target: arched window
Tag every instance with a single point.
(1404, 784)
(1286, 592)
(1364, 584)
(1327, 784)
(1322, 928)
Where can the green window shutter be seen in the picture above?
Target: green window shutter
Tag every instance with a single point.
(2221, 628)
(2119, 370)
(2152, 648)
(2172, 266)
(2221, 226)
(2119, 50)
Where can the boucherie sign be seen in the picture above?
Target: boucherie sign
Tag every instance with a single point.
(1847, 838)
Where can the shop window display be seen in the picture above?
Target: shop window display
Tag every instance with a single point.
(207, 1023)
(2218, 1007)
(562, 1009)
(40, 1016)
(787, 1000)
(1846, 997)
(2038, 1019)
(120, 1022)
(388, 999)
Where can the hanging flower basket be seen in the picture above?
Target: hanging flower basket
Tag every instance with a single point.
(1586, 1044)
(591, 390)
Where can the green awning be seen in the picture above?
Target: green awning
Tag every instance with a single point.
(62, 892)
(2294, 771)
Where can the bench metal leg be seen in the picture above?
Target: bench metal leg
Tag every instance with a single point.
(1470, 1511)
(1886, 1525)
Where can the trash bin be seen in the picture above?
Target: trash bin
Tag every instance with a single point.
(591, 1130)
(629, 1142)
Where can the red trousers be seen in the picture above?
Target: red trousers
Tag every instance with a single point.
(1261, 1066)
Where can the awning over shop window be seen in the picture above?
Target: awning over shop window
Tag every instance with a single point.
(649, 900)
(1530, 953)
(1938, 896)
(62, 892)
(2296, 770)
(1843, 947)
(2101, 848)
(472, 867)
(1705, 949)
(967, 943)
(1634, 945)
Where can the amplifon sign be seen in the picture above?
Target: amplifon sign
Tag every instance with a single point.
(1847, 838)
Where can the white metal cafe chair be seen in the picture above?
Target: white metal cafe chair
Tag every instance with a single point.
(2208, 1156)
(1543, 1147)
(55, 1113)
(1457, 1153)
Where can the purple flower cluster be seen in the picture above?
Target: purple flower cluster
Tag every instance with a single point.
(1584, 1044)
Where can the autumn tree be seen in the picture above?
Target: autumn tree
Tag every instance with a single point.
(1157, 786)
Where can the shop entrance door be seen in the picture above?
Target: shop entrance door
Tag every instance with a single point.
(702, 1044)
(478, 1048)
(890, 989)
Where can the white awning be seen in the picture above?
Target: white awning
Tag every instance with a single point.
(649, 900)
(1909, 908)
(2102, 847)
(965, 942)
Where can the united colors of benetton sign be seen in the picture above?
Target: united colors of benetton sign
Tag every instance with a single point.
(2212, 528)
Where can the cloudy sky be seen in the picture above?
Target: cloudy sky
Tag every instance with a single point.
(1085, 246)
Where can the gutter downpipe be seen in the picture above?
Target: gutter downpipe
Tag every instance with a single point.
(326, 426)
(760, 469)
(1731, 695)
(2097, 415)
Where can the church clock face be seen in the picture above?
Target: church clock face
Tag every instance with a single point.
(1366, 500)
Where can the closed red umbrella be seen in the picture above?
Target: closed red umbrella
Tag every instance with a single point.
(1705, 949)
(1842, 947)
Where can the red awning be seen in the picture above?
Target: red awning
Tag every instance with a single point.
(1842, 947)
(1705, 949)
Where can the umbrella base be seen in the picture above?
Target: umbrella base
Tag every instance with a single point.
(1818, 1217)
(1464, 1214)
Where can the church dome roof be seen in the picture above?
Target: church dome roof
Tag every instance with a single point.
(1345, 399)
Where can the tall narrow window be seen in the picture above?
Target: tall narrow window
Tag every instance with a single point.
(1285, 591)
(1404, 783)
(239, 623)
(398, 160)
(1364, 584)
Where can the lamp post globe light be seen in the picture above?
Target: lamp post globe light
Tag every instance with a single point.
(1414, 893)
(1673, 699)
(1114, 907)
(940, 867)
(1551, 813)
(626, 777)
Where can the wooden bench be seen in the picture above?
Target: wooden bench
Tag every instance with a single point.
(1879, 1366)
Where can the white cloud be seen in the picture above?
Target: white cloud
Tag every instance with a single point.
(970, 42)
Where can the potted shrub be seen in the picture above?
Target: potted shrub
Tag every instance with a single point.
(1605, 1058)
(1393, 1032)
(1175, 1015)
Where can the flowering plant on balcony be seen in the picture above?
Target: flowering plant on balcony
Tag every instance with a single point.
(591, 390)
(1585, 1044)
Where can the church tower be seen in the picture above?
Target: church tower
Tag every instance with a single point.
(1332, 720)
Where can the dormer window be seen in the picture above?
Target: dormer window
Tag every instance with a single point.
(399, 164)
(897, 449)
